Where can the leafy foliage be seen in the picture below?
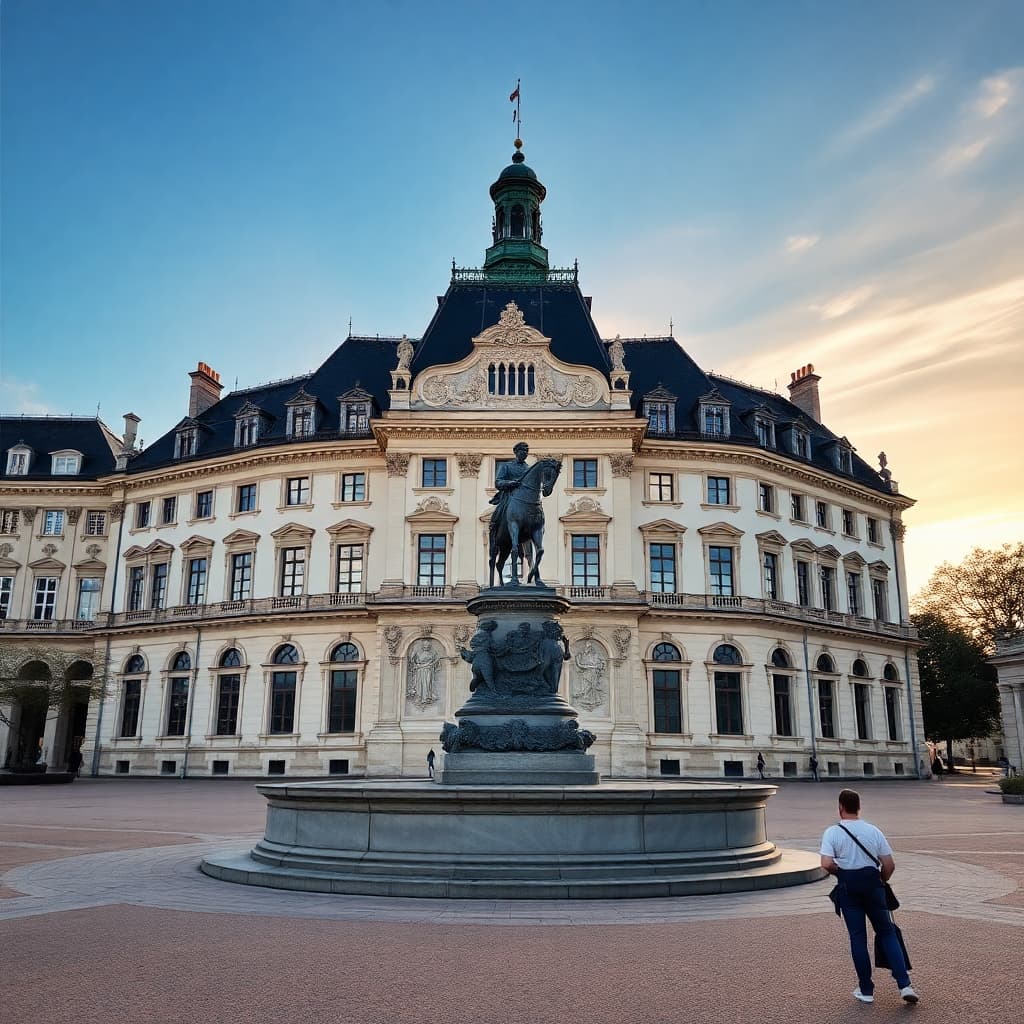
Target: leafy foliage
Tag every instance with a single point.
(984, 594)
(959, 698)
(1014, 785)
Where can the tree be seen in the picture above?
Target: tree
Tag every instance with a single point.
(984, 593)
(959, 697)
(38, 681)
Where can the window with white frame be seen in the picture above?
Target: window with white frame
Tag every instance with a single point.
(721, 564)
(770, 565)
(95, 524)
(44, 597)
(586, 559)
(892, 712)
(796, 507)
(827, 580)
(177, 696)
(719, 490)
(136, 587)
(353, 487)
(6, 591)
(131, 699)
(18, 461)
(89, 588)
(169, 510)
(241, 576)
(821, 516)
(354, 417)
(844, 458)
(714, 420)
(158, 586)
(782, 695)
(293, 572)
(660, 417)
(584, 472)
(297, 490)
(65, 463)
(764, 430)
(349, 569)
(229, 690)
(660, 487)
(728, 691)
(434, 473)
(53, 523)
(879, 599)
(663, 567)
(142, 513)
(872, 527)
(666, 684)
(10, 520)
(195, 592)
(853, 594)
(344, 682)
(766, 498)
(186, 442)
(862, 710)
(247, 431)
(431, 559)
(303, 421)
(801, 443)
(245, 498)
(204, 505)
(849, 523)
(803, 583)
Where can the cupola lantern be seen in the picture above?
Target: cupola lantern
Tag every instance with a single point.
(516, 228)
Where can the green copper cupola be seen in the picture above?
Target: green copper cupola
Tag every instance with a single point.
(517, 195)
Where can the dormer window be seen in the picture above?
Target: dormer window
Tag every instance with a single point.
(65, 463)
(355, 410)
(660, 411)
(714, 415)
(19, 459)
(301, 421)
(843, 458)
(764, 430)
(186, 442)
(801, 442)
(357, 418)
(250, 425)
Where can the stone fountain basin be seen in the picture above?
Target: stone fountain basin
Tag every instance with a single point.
(419, 839)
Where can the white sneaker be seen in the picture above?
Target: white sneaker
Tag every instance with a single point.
(857, 994)
(908, 995)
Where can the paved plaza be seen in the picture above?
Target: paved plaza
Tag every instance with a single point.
(104, 916)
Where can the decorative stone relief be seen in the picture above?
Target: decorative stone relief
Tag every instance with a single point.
(589, 677)
(74, 514)
(426, 630)
(587, 632)
(432, 504)
(462, 635)
(423, 670)
(469, 463)
(397, 463)
(94, 550)
(393, 637)
(117, 511)
(5, 550)
(622, 464)
(622, 637)
(584, 505)
(49, 550)
(897, 529)
(28, 514)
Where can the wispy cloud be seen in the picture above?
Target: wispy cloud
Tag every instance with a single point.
(883, 115)
(957, 157)
(845, 303)
(997, 91)
(19, 396)
(801, 243)
(989, 119)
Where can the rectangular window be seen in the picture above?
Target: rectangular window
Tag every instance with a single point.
(718, 490)
(6, 589)
(204, 504)
(765, 431)
(714, 420)
(720, 562)
(142, 515)
(246, 498)
(586, 560)
(771, 575)
(241, 576)
(341, 712)
(828, 587)
(45, 597)
(826, 709)
(95, 524)
(659, 418)
(435, 472)
(668, 713)
(862, 707)
(803, 584)
(158, 589)
(196, 581)
(892, 712)
(853, 593)
(227, 704)
(302, 422)
(136, 587)
(65, 465)
(282, 703)
(660, 487)
(663, 568)
(293, 572)
(353, 487)
(872, 530)
(797, 507)
(350, 568)
(783, 706)
(17, 464)
(53, 523)
(297, 491)
(357, 418)
(801, 444)
(584, 472)
(878, 598)
(169, 511)
(821, 514)
(766, 497)
(432, 559)
(9, 520)
(130, 707)
(88, 598)
(248, 431)
(849, 523)
(728, 704)
(177, 706)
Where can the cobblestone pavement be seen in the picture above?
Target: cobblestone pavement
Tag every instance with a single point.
(104, 900)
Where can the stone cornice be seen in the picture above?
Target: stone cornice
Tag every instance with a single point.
(631, 430)
(44, 488)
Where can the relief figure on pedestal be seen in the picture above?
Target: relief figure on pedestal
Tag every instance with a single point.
(588, 688)
(421, 679)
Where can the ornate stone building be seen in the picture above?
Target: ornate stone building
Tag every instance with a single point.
(287, 590)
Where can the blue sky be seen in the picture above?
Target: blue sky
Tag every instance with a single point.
(788, 182)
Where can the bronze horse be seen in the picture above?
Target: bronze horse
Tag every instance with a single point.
(520, 532)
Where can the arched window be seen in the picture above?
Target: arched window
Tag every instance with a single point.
(177, 695)
(345, 652)
(518, 220)
(499, 223)
(666, 652)
(826, 698)
(859, 668)
(535, 233)
(726, 654)
(229, 690)
(889, 674)
(286, 654)
(667, 689)
(231, 658)
(782, 694)
(136, 663)
(825, 663)
(780, 659)
(182, 662)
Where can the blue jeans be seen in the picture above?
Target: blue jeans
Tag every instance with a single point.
(862, 899)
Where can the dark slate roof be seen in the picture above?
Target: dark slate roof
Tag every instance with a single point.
(655, 362)
(559, 312)
(363, 362)
(45, 434)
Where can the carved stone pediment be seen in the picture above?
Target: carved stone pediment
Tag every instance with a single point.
(511, 367)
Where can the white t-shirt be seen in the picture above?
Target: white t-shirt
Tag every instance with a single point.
(835, 843)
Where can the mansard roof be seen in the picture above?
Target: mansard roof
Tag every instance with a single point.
(45, 434)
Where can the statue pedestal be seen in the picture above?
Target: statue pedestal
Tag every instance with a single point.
(516, 728)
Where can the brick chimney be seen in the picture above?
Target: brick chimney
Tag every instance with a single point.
(205, 391)
(803, 391)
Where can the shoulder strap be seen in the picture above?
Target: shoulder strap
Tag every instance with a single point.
(860, 844)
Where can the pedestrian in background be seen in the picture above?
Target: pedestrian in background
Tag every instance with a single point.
(760, 764)
(861, 870)
(430, 762)
(813, 765)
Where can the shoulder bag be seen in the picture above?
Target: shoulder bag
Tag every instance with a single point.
(891, 902)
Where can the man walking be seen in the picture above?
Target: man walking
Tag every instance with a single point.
(431, 756)
(861, 872)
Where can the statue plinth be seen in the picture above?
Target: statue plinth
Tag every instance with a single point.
(516, 728)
